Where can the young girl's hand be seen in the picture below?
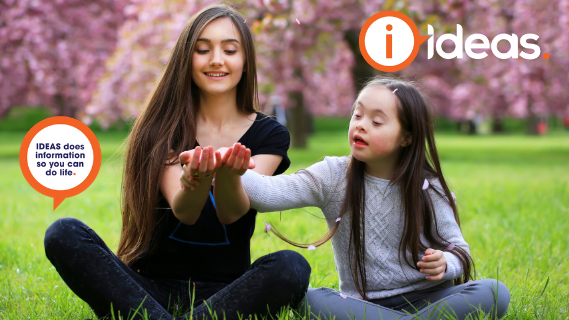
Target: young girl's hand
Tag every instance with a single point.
(237, 160)
(198, 163)
(434, 263)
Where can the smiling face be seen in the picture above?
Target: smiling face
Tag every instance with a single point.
(375, 132)
(218, 58)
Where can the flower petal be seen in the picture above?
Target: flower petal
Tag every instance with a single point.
(450, 246)
(297, 21)
(343, 296)
(425, 184)
(338, 219)
(267, 226)
(311, 247)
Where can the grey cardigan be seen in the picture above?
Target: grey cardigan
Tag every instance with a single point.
(323, 185)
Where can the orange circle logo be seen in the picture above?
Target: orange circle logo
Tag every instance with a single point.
(60, 157)
(389, 41)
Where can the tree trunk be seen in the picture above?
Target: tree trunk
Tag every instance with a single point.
(60, 104)
(471, 127)
(62, 108)
(468, 127)
(298, 117)
(532, 123)
(498, 126)
(361, 71)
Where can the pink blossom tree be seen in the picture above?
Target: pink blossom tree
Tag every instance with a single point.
(306, 61)
(145, 40)
(300, 54)
(53, 52)
(496, 88)
(308, 55)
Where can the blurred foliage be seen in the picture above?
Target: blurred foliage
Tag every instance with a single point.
(24, 118)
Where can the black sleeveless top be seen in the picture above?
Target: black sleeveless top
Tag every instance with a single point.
(208, 250)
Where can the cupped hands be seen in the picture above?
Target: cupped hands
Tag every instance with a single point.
(203, 163)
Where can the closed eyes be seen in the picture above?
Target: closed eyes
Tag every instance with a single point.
(374, 122)
(230, 52)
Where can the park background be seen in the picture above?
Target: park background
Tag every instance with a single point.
(501, 128)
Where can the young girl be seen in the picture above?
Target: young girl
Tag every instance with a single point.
(182, 245)
(392, 219)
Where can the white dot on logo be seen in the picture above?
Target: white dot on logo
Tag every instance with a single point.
(389, 41)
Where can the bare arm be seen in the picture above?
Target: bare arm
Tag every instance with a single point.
(186, 203)
(231, 200)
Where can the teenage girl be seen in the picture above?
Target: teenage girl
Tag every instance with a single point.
(393, 222)
(181, 245)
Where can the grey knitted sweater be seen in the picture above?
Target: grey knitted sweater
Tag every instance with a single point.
(323, 185)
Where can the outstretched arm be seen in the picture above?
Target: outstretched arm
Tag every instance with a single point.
(231, 199)
(230, 163)
(187, 199)
(310, 187)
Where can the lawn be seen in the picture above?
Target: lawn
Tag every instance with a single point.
(512, 193)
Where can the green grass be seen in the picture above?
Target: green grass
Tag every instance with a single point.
(512, 193)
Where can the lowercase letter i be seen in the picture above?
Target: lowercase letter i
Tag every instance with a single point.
(389, 42)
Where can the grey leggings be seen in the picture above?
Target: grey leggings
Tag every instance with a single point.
(488, 295)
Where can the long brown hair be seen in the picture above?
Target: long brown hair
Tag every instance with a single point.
(415, 163)
(167, 126)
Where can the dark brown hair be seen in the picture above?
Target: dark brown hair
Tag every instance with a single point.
(167, 126)
(416, 162)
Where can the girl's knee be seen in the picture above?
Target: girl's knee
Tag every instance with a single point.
(293, 263)
(290, 272)
(500, 292)
(62, 233)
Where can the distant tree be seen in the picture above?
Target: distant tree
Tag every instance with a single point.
(53, 52)
(308, 55)
(145, 40)
(305, 62)
(493, 87)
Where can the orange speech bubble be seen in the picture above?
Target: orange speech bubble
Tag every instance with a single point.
(63, 141)
(390, 45)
